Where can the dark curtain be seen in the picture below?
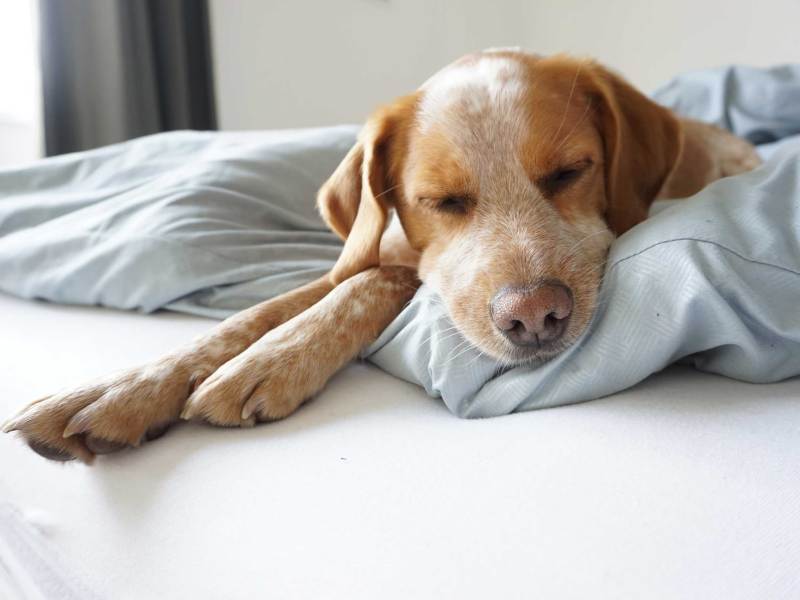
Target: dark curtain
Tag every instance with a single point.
(118, 69)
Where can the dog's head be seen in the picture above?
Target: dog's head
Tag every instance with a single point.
(511, 174)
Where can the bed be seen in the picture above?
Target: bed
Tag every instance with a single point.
(685, 486)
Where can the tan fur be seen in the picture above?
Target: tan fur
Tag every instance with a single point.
(293, 362)
(708, 153)
(492, 131)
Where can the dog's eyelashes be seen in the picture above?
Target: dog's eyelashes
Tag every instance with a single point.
(452, 204)
(562, 178)
(564, 175)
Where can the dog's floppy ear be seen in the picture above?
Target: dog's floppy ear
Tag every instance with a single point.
(356, 199)
(642, 142)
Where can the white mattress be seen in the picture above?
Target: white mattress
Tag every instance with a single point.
(687, 486)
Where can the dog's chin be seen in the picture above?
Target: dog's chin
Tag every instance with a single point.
(513, 355)
(508, 354)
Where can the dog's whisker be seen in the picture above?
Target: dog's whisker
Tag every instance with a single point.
(454, 351)
(569, 100)
(573, 250)
(462, 351)
(575, 127)
(387, 190)
(450, 332)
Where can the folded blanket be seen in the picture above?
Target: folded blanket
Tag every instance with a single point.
(212, 223)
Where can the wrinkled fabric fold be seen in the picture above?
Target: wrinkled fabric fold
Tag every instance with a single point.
(713, 281)
(205, 223)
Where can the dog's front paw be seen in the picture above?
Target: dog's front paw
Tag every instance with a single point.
(108, 415)
(268, 381)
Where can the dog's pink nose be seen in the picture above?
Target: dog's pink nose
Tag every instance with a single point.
(533, 316)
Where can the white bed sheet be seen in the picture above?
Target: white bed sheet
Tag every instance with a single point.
(687, 486)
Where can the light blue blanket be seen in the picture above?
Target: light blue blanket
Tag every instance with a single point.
(205, 223)
(211, 223)
(714, 280)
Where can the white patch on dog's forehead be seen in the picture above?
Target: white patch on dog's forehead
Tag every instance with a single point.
(492, 82)
(478, 105)
(497, 49)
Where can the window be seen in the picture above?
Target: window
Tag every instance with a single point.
(20, 100)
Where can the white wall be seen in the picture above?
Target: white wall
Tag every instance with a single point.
(287, 63)
(308, 62)
(651, 41)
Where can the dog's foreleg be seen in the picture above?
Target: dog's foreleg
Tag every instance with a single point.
(293, 362)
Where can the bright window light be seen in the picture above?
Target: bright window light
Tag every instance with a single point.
(20, 98)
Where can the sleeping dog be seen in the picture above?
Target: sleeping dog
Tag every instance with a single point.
(500, 183)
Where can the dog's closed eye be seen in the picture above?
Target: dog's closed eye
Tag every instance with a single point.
(455, 205)
(561, 178)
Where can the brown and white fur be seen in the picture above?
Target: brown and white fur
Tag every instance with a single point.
(501, 183)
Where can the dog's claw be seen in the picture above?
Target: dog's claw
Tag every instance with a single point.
(11, 425)
(79, 423)
(250, 407)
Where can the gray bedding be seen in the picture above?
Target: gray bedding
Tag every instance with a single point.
(210, 223)
(205, 223)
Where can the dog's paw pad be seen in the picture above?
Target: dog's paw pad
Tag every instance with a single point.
(101, 446)
(156, 432)
(50, 452)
